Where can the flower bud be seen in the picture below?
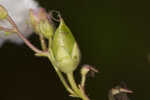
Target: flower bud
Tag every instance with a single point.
(40, 23)
(3, 13)
(119, 89)
(65, 49)
(85, 69)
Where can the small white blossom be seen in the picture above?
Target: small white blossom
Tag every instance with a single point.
(19, 12)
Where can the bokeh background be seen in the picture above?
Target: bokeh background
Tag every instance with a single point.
(113, 36)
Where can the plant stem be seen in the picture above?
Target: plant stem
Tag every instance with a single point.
(7, 29)
(43, 43)
(73, 83)
(85, 97)
(22, 36)
(63, 80)
(79, 91)
(83, 79)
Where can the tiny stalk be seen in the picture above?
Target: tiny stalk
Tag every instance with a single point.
(43, 43)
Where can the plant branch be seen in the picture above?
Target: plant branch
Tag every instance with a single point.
(79, 91)
(83, 79)
(6, 29)
(22, 36)
(83, 93)
(73, 83)
(43, 43)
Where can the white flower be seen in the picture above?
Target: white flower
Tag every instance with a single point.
(19, 12)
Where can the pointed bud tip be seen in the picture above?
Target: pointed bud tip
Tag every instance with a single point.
(86, 68)
(125, 90)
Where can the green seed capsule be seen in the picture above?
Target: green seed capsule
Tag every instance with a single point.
(65, 49)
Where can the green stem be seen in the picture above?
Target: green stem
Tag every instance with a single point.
(73, 83)
(83, 79)
(43, 43)
(77, 90)
(27, 42)
(63, 80)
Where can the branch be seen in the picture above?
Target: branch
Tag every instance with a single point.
(27, 42)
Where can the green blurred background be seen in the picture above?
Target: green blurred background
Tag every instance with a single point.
(113, 35)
